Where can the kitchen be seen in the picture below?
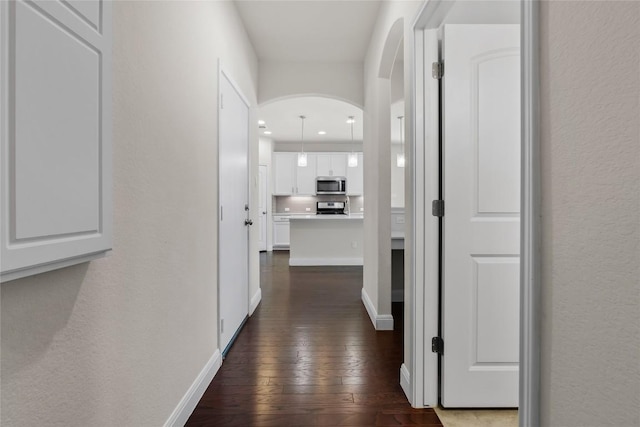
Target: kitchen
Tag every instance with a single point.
(302, 214)
(330, 230)
(315, 181)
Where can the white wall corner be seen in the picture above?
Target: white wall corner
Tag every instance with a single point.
(188, 403)
(405, 383)
(382, 322)
(255, 300)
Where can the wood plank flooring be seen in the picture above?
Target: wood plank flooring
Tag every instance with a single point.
(309, 356)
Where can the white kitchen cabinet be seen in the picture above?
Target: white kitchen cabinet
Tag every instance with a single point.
(355, 178)
(284, 180)
(291, 179)
(55, 134)
(306, 176)
(281, 232)
(332, 164)
(338, 164)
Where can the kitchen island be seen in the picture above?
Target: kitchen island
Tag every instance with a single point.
(326, 240)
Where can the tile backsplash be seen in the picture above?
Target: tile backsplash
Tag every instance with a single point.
(300, 204)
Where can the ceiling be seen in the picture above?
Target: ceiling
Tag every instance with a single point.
(282, 118)
(309, 30)
(318, 31)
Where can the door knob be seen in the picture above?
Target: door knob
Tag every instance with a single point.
(248, 222)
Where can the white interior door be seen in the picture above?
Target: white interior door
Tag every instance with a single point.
(481, 143)
(262, 208)
(234, 197)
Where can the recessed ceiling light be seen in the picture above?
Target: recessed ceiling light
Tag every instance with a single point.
(322, 132)
(261, 122)
(351, 121)
(267, 132)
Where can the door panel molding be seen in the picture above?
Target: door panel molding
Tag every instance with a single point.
(55, 128)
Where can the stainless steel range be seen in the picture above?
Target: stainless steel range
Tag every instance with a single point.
(331, 208)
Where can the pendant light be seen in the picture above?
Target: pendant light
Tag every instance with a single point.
(302, 156)
(400, 156)
(352, 160)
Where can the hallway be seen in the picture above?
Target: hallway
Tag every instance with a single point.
(309, 356)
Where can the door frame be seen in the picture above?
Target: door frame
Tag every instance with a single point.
(223, 73)
(423, 325)
(266, 201)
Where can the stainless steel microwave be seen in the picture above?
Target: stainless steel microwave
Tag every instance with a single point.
(331, 185)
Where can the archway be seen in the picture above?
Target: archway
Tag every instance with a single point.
(326, 134)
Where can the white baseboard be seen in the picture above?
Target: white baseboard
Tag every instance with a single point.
(382, 322)
(405, 383)
(325, 261)
(397, 295)
(188, 403)
(255, 300)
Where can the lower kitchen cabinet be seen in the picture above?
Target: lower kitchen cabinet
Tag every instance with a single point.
(281, 232)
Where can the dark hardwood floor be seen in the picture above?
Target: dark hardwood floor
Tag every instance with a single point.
(309, 356)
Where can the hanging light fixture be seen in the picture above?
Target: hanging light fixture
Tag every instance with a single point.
(352, 159)
(302, 156)
(400, 156)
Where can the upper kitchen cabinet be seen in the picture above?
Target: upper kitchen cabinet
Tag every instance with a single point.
(55, 104)
(355, 178)
(332, 164)
(291, 179)
(284, 181)
(306, 176)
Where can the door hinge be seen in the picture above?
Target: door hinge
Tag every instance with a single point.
(437, 208)
(221, 325)
(437, 70)
(437, 345)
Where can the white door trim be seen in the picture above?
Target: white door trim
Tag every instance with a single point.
(529, 412)
(222, 72)
(423, 299)
(266, 204)
(432, 15)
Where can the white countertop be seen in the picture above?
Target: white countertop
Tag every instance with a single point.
(326, 217)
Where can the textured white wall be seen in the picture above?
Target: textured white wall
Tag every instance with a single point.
(118, 341)
(397, 177)
(340, 80)
(377, 171)
(590, 76)
(397, 109)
